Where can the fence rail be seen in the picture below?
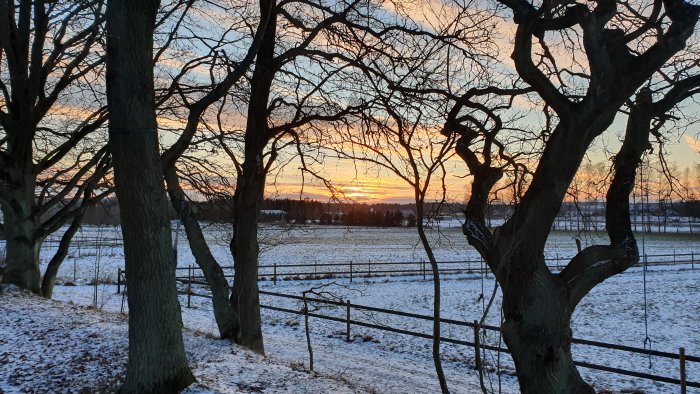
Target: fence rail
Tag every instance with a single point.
(353, 269)
(672, 259)
(682, 358)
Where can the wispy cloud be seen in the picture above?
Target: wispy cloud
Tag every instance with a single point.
(692, 142)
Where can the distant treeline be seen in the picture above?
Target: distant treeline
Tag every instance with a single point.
(281, 211)
(381, 214)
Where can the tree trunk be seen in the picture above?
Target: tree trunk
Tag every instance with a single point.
(226, 318)
(437, 361)
(23, 248)
(49, 280)
(537, 330)
(245, 249)
(156, 361)
(250, 189)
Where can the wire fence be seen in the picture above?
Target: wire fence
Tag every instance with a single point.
(322, 270)
(348, 312)
(353, 270)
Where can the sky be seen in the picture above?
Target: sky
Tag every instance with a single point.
(361, 183)
(364, 184)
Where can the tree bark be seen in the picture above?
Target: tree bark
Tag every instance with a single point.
(245, 298)
(250, 190)
(22, 254)
(437, 361)
(226, 318)
(156, 361)
(49, 280)
(20, 223)
(537, 331)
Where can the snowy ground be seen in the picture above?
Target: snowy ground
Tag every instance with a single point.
(392, 363)
(375, 360)
(53, 346)
(97, 250)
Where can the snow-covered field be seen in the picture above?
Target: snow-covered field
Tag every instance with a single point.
(94, 247)
(376, 360)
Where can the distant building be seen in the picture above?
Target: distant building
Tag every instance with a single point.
(272, 216)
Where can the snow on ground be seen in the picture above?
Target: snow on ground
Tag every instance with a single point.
(99, 248)
(54, 346)
(612, 313)
(392, 363)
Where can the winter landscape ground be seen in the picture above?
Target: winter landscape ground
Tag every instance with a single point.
(67, 345)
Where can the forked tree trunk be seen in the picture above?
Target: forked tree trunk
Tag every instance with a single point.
(156, 361)
(537, 330)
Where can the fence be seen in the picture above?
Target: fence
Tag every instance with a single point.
(682, 358)
(353, 270)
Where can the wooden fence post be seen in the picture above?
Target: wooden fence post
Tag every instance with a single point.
(308, 334)
(477, 351)
(681, 354)
(347, 321)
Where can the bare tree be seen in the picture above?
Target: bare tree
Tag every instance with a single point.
(51, 169)
(156, 361)
(213, 91)
(299, 86)
(418, 156)
(615, 48)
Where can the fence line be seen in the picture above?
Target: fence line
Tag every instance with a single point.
(353, 269)
(682, 357)
(348, 322)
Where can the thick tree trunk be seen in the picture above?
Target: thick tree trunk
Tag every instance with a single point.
(23, 248)
(245, 249)
(156, 361)
(538, 333)
(250, 189)
(226, 318)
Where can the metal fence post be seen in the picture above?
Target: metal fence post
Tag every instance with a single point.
(477, 351)
(681, 357)
(119, 280)
(274, 274)
(189, 286)
(692, 260)
(350, 270)
(347, 321)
